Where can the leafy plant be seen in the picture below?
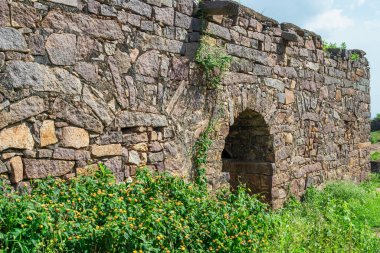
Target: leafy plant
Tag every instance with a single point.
(375, 156)
(355, 57)
(162, 213)
(154, 213)
(328, 45)
(214, 60)
(200, 151)
(375, 137)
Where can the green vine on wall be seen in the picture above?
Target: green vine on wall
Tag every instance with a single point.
(202, 146)
(200, 151)
(214, 60)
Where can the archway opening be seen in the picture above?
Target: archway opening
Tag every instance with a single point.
(248, 154)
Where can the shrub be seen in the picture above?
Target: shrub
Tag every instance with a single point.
(162, 213)
(214, 60)
(155, 213)
(328, 221)
(375, 156)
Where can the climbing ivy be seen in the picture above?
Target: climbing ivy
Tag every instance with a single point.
(200, 151)
(214, 60)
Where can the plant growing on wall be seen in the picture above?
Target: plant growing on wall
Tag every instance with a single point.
(200, 151)
(328, 45)
(214, 60)
(355, 57)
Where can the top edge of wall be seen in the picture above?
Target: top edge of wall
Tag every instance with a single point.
(234, 9)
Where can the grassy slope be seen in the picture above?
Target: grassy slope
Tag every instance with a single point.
(160, 213)
(303, 226)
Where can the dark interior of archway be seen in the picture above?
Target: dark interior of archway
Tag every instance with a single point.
(248, 154)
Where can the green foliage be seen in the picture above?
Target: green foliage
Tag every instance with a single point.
(375, 156)
(214, 60)
(337, 219)
(355, 57)
(375, 137)
(200, 151)
(154, 213)
(327, 45)
(162, 213)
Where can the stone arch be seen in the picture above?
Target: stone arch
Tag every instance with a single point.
(248, 155)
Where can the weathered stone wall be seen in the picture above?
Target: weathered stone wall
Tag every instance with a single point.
(115, 81)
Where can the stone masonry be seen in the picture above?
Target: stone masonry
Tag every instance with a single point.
(86, 81)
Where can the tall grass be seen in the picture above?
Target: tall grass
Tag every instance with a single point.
(161, 213)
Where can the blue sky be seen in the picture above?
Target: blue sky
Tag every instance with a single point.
(356, 22)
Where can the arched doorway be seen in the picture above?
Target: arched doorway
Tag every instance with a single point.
(248, 154)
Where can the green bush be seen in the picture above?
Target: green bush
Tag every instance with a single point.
(214, 60)
(375, 137)
(155, 213)
(328, 45)
(375, 156)
(161, 213)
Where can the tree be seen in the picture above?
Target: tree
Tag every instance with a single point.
(375, 123)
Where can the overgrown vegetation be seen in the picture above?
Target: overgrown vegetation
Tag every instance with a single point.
(355, 57)
(328, 45)
(337, 219)
(375, 137)
(200, 151)
(214, 60)
(161, 213)
(375, 156)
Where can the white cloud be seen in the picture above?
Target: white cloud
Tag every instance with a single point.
(329, 20)
(360, 2)
(357, 3)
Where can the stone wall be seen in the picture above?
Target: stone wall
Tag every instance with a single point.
(115, 81)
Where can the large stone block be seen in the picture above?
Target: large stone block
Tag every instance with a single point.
(182, 20)
(185, 6)
(43, 168)
(64, 154)
(148, 64)
(76, 116)
(17, 169)
(164, 15)
(75, 137)
(249, 53)
(23, 15)
(275, 83)
(219, 31)
(72, 3)
(39, 77)
(61, 48)
(21, 110)
(5, 14)
(138, 7)
(47, 133)
(88, 71)
(12, 40)
(79, 23)
(106, 150)
(17, 137)
(147, 41)
(133, 119)
(98, 105)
